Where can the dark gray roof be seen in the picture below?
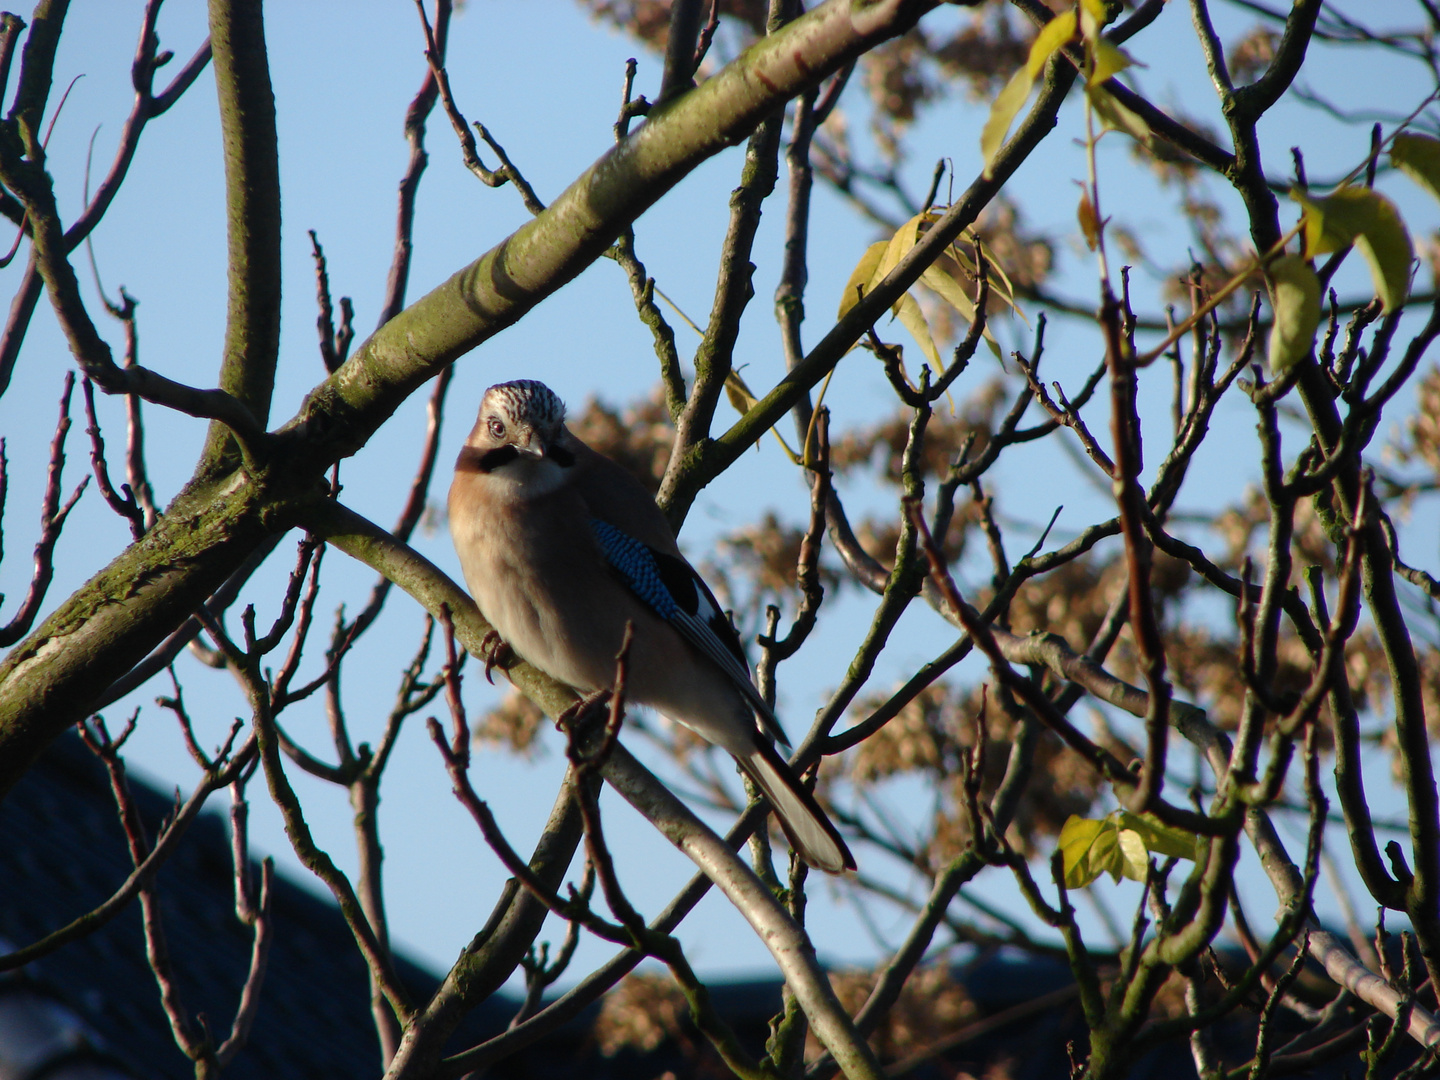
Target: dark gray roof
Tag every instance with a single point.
(62, 853)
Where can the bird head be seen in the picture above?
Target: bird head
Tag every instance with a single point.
(525, 414)
(521, 433)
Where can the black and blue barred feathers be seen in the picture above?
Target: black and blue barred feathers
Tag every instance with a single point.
(635, 562)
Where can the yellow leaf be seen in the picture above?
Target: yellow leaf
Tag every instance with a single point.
(1367, 219)
(1322, 231)
(1078, 830)
(999, 282)
(953, 276)
(913, 319)
(1331, 223)
(860, 277)
(1057, 32)
(1092, 18)
(1109, 60)
(1008, 103)
(1386, 245)
(1295, 297)
(1134, 859)
(1119, 845)
(965, 262)
(1002, 113)
(739, 394)
(949, 290)
(1006, 289)
(742, 400)
(1418, 157)
(1089, 222)
(1158, 837)
(952, 291)
(1116, 116)
(899, 245)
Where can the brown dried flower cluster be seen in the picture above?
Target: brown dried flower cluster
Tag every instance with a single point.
(1252, 53)
(931, 1005)
(758, 565)
(932, 734)
(513, 724)
(1420, 440)
(881, 446)
(641, 1013)
(648, 21)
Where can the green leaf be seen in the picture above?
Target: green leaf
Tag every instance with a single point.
(1418, 157)
(1295, 297)
(860, 277)
(1010, 100)
(1367, 219)
(1119, 845)
(1077, 837)
(1105, 855)
(1158, 837)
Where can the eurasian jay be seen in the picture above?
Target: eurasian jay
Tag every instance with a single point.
(561, 547)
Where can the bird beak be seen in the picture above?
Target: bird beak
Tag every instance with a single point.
(533, 445)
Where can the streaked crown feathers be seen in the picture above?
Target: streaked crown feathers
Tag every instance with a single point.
(526, 403)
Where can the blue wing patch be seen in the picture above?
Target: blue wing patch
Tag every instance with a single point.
(635, 562)
(671, 588)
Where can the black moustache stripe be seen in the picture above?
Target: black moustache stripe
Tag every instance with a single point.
(471, 460)
(491, 460)
(494, 459)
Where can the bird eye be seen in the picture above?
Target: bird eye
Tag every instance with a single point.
(497, 429)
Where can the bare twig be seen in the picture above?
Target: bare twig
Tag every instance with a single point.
(126, 507)
(195, 1044)
(507, 173)
(416, 116)
(147, 105)
(52, 521)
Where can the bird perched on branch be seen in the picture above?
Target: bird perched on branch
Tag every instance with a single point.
(561, 547)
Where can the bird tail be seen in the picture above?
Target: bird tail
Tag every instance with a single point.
(810, 832)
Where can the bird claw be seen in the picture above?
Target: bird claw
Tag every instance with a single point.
(498, 653)
(580, 708)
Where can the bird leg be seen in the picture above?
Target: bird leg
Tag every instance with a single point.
(498, 653)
